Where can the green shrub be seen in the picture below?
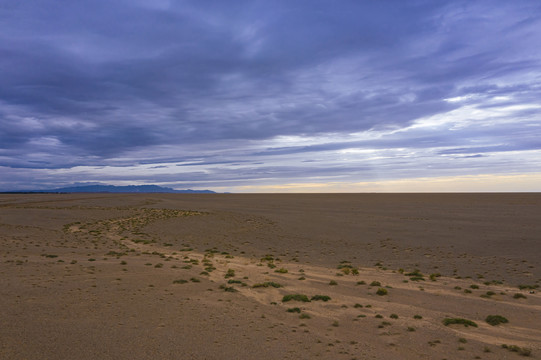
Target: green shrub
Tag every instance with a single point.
(496, 320)
(518, 349)
(460, 321)
(418, 317)
(228, 288)
(293, 310)
(375, 283)
(281, 271)
(528, 287)
(180, 281)
(267, 284)
(393, 316)
(229, 273)
(381, 291)
(296, 297)
(332, 282)
(519, 296)
(321, 298)
(304, 316)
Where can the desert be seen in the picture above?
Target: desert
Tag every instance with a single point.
(270, 276)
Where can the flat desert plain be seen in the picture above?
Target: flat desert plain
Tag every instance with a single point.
(297, 276)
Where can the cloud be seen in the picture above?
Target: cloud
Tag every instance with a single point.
(214, 86)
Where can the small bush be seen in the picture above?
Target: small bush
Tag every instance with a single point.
(519, 296)
(304, 316)
(180, 281)
(281, 271)
(393, 316)
(362, 282)
(321, 298)
(382, 291)
(375, 283)
(418, 317)
(267, 284)
(518, 349)
(460, 321)
(296, 297)
(434, 276)
(496, 320)
(357, 305)
(474, 286)
(228, 288)
(229, 273)
(294, 310)
(528, 287)
(332, 282)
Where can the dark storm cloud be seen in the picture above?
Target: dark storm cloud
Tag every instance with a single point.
(106, 83)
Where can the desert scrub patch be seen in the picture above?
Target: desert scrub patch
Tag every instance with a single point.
(375, 283)
(180, 281)
(473, 286)
(379, 316)
(458, 321)
(434, 276)
(321, 298)
(357, 305)
(267, 257)
(528, 287)
(362, 282)
(496, 320)
(332, 282)
(417, 317)
(281, 271)
(519, 296)
(295, 297)
(517, 349)
(393, 316)
(158, 266)
(294, 310)
(228, 288)
(267, 284)
(304, 316)
(229, 273)
(382, 291)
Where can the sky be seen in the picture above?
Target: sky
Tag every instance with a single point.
(271, 96)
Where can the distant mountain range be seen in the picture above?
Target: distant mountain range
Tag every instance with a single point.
(118, 189)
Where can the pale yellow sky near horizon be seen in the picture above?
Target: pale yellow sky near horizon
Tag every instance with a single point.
(467, 183)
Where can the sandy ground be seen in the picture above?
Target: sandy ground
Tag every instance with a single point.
(139, 276)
